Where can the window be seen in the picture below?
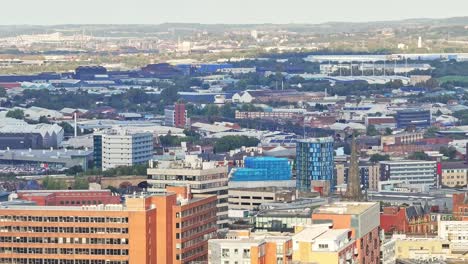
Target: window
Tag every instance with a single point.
(225, 253)
(323, 246)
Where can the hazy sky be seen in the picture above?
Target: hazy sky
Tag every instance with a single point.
(222, 11)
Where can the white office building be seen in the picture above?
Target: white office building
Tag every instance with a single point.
(123, 148)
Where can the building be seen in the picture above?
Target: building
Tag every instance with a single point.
(251, 198)
(369, 174)
(263, 169)
(68, 197)
(251, 248)
(414, 173)
(413, 219)
(17, 134)
(456, 232)
(460, 206)
(417, 118)
(120, 147)
(176, 116)
(417, 248)
(51, 159)
(362, 218)
(322, 245)
(171, 227)
(266, 115)
(201, 176)
(314, 162)
(454, 174)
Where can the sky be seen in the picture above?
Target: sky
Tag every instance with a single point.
(50, 12)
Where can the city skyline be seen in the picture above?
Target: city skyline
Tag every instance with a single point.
(51, 12)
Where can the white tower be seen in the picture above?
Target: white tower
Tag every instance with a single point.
(419, 42)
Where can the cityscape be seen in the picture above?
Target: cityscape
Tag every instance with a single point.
(234, 143)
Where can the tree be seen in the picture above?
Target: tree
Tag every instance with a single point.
(449, 152)
(3, 92)
(431, 132)
(418, 155)
(371, 131)
(50, 183)
(67, 128)
(81, 183)
(228, 143)
(44, 120)
(388, 131)
(16, 113)
(379, 157)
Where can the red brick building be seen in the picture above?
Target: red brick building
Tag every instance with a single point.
(69, 197)
(460, 206)
(415, 219)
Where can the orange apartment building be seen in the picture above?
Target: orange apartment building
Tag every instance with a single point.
(362, 218)
(168, 228)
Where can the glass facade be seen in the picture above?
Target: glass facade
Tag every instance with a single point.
(263, 169)
(97, 150)
(314, 161)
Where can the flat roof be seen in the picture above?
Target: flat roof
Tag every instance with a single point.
(350, 208)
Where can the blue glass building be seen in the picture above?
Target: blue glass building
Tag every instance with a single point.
(419, 118)
(314, 161)
(263, 169)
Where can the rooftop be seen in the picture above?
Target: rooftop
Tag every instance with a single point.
(349, 208)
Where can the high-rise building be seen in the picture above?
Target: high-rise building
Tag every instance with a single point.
(362, 218)
(202, 177)
(417, 118)
(118, 147)
(176, 115)
(314, 162)
(171, 227)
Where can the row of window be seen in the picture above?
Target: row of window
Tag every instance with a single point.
(59, 261)
(64, 240)
(64, 251)
(196, 209)
(66, 219)
(54, 229)
(197, 219)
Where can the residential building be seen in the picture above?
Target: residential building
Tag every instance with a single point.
(456, 232)
(314, 162)
(418, 248)
(176, 116)
(171, 227)
(417, 118)
(251, 248)
(454, 174)
(68, 197)
(120, 147)
(362, 218)
(322, 245)
(415, 173)
(202, 177)
(251, 198)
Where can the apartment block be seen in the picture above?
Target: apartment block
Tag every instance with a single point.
(118, 147)
(322, 245)
(200, 176)
(169, 228)
(454, 174)
(362, 218)
(251, 248)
